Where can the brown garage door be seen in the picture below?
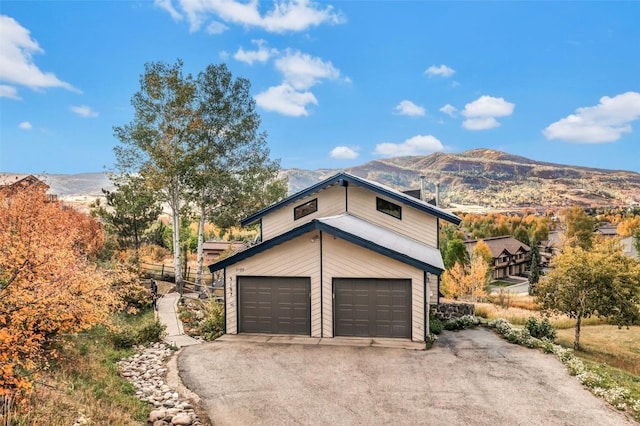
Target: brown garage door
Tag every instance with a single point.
(276, 305)
(372, 307)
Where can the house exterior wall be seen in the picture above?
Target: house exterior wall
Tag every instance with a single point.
(296, 258)
(341, 259)
(331, 201)
(414, 224)
(359, 202)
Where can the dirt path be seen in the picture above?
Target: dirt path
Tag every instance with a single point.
(471, 377)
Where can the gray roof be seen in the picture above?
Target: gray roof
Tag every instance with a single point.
(385, 238)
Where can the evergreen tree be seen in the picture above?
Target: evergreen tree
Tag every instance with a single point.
(534, 269)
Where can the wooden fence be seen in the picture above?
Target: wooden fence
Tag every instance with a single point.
(211, 283)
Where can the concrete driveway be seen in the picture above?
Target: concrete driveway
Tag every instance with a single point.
(471, 377)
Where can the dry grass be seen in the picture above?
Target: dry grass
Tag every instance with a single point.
(517, 309)
(607, 344)
(84, 386)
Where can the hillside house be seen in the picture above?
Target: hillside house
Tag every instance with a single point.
(13, 183)
(510, 256)
(344, 257)
(607, 230)
(211, 250)
(549, 248)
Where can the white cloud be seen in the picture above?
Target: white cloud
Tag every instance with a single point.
(25, 125)
(303, 71)
(300, 72)
(481, 114)
(9, 92)
(488, 106)
(168, 6)
(449, 109)
(605, 122)
(250, 56)
(286, 100)
(216, 27)
(441, 70)
(16, 58)
(285, 16)
(407, 107)
(84, 111)
(482, 123)
(344, 153)
(417, 145)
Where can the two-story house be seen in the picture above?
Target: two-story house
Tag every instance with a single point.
(345, 257)
(510, 256)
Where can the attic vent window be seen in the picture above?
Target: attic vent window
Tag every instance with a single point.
(389, 208)
(305, 209)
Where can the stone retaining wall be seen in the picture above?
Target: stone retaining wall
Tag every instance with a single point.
(446, 311)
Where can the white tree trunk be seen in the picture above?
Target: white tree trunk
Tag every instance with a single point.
(175, 212)
(200, 254)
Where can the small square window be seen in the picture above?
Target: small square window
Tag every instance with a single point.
(389, 208)
(305, 209)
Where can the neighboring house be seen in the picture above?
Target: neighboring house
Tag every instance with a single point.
(549, 248)
(510, 256)
(12, 184)
(607, 230)
(211, 250)
(345, 257)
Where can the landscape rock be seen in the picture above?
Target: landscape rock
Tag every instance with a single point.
(182, 419)
(145, 370)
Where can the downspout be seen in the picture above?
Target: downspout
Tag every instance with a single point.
(438, 247)
(426, 307)
(321, 285)
(224, 293)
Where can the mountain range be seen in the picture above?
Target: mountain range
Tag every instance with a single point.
(482, 178)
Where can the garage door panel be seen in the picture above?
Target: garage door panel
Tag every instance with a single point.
(372, 307)
(275, 305)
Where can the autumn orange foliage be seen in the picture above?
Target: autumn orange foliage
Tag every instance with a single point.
(48, 285)
(466, 282)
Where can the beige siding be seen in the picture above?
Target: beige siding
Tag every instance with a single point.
(299, 257)
(341, 259)
(415, 224)
(331, 201)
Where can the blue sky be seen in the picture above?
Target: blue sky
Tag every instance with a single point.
(337, 84)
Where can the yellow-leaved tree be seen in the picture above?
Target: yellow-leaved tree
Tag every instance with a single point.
(48, 285)
(600, 281)
(467, 282)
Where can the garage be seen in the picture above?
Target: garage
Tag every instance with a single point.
(274, 305)
(369, 307)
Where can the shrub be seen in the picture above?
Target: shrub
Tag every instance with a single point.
(461, 323)
(540, 329)
(430, 341)
(212, 324)
(521, 337)
(122, 338)
(435, 325)
(150, 332)
(128, 337)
